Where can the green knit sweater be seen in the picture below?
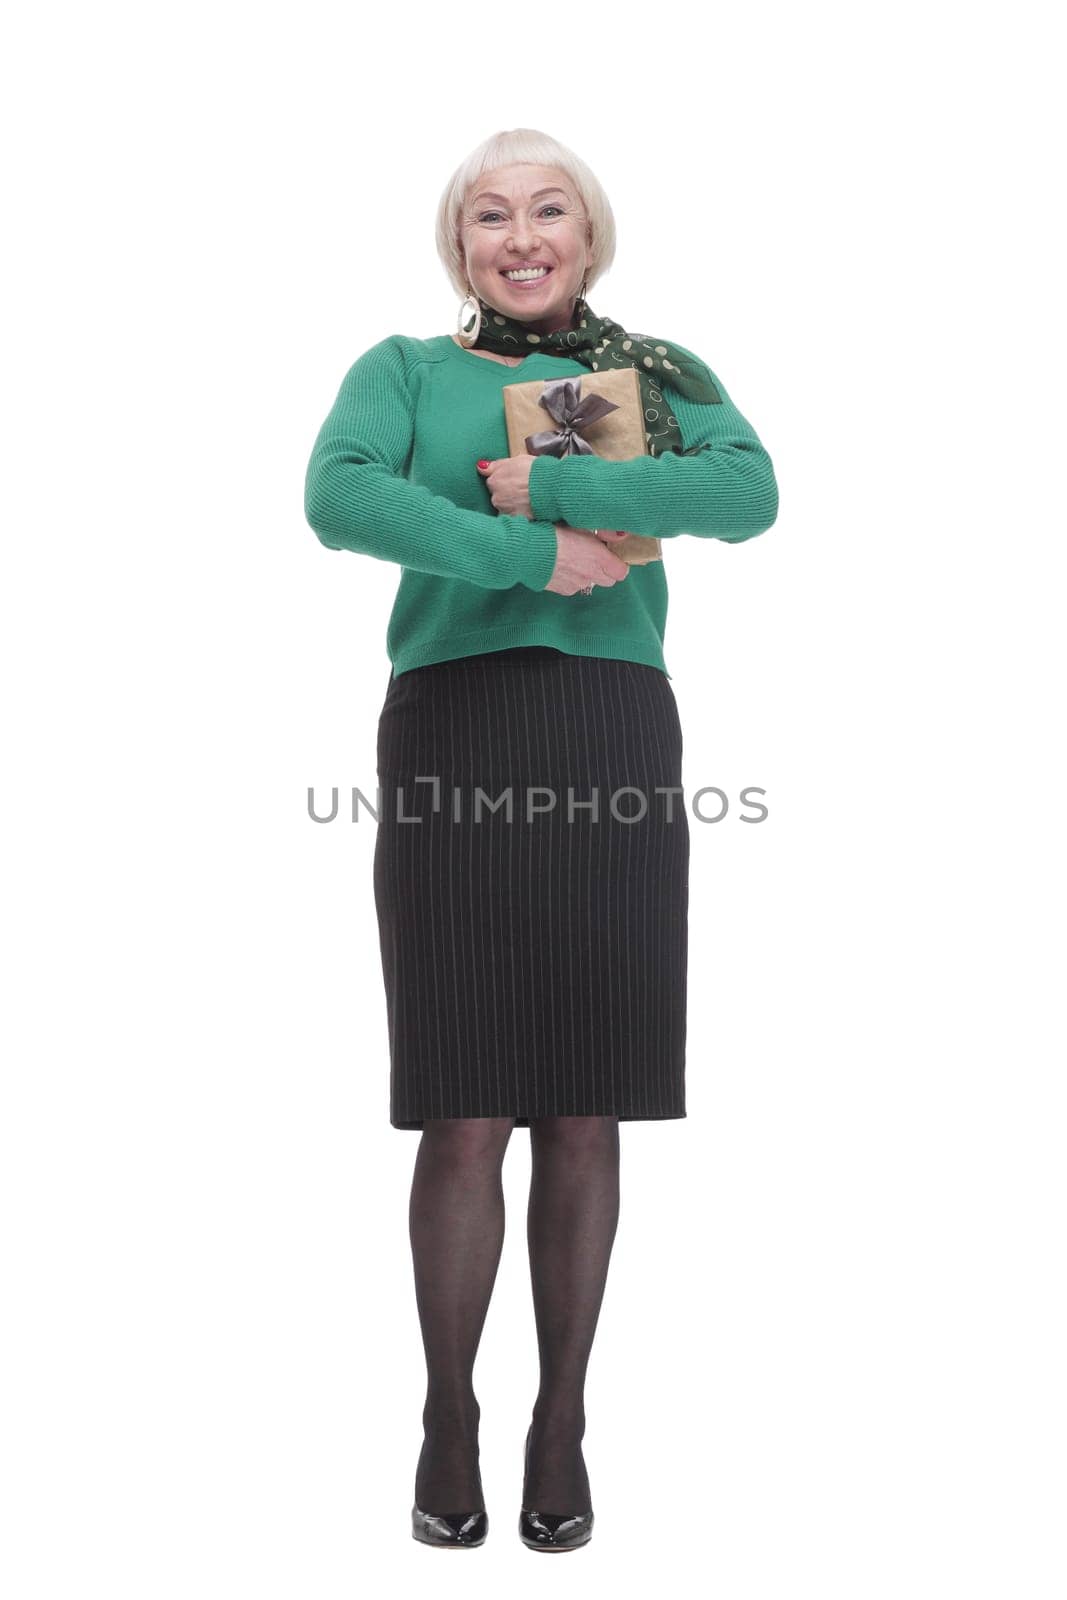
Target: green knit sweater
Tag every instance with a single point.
(393, 474)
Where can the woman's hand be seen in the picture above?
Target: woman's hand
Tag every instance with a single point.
(509, 484)
(509, 489)
(583, 558)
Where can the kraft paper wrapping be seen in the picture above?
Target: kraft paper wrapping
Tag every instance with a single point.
(575, 422)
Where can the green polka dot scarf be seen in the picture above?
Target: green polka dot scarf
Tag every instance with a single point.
(600, 344)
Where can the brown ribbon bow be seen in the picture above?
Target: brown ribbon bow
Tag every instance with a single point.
(562, 398)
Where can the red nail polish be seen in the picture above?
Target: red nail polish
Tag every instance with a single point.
(483, 463)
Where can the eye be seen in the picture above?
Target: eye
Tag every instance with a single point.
(487, 216)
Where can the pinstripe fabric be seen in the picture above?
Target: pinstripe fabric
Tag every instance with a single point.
(534, 966)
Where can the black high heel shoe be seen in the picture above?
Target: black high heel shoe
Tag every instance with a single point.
(449, 1530)
(548, 1530)
(453, 1530)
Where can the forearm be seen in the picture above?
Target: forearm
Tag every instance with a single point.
(727, 493)
(361, 505)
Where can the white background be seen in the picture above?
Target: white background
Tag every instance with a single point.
(829, 1358)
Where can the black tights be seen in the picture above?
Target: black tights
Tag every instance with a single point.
(457, 1232)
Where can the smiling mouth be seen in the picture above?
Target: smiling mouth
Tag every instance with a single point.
(536, 277)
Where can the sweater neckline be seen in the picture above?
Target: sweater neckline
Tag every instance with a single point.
(466, 357)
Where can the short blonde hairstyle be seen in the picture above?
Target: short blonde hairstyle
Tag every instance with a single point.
(540, 149)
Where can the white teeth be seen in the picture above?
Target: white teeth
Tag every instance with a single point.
(525, 273)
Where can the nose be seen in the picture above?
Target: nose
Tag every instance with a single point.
(523, 236)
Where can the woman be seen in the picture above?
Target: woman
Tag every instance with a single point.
(534, 957)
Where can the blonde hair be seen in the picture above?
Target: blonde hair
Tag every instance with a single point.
(540, 149)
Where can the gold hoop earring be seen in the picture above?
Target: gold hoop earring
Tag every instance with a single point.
(469, 323)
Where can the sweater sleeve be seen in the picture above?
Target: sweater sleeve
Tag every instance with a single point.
(721, 487)
(356, 496)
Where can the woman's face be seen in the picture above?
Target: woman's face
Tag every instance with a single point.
(524, 215)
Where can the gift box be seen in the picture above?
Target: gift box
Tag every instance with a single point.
(598, 413)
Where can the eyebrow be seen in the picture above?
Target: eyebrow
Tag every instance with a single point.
(487, 194)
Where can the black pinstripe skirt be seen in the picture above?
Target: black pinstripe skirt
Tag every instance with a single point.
(531, 880)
